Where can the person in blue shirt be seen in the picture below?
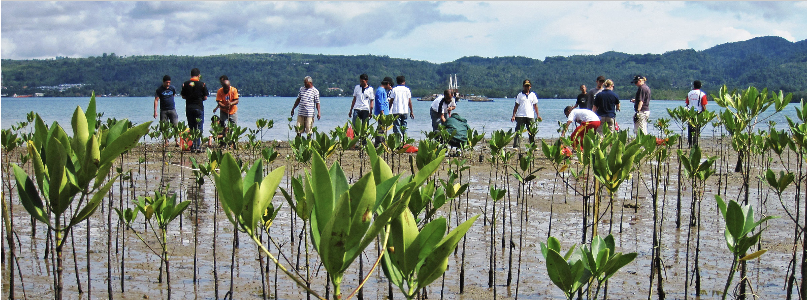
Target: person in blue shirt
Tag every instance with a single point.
(606, 104)
(165, 97)
(382, 106)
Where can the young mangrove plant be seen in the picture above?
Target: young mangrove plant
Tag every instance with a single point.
(740, 223)
(567, 272)
(163, 209)
(603, 262)
(65, 167)
(415, 258)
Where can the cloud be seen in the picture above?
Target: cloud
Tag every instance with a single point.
(88, 28)
(433, 31)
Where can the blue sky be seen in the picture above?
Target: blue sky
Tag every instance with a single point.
(432, 31)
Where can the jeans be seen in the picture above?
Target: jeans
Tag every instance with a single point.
(692, 135)
(436, 121)
(364, 115)
(399, 122)
(169, 115)
(522, 122)
(196, 120)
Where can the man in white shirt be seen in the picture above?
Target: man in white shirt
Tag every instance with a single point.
(365, 94)
(587, 120)
(441, 109)
(525, 110)
(697, 100)
(401, 105)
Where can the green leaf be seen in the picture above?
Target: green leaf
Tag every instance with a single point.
(254, 174)
(435, 264)
(424, 243)
(92, 205)
(735, 220)
(29, 196)
(722, 206)
(124, 142)
(91, 115)
(335, 236)
(229, 183)
(323, 193)
(362, 197)
(403, 231)
(559, 271)
(616, 263)
(56, 159)
(80, 133)
(178, 210)
(249, 217)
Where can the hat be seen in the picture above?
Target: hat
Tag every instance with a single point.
(637, 78)
(526, 82)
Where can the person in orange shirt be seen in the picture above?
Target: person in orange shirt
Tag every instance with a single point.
(227, 99)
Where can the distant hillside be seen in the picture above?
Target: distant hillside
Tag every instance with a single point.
(763, 62)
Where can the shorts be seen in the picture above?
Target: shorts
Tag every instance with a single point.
(305, 124)
(225, 118)
(169, 115)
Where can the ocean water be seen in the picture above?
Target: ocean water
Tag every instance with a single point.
(483, 116)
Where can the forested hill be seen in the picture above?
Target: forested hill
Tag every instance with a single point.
(763, 62)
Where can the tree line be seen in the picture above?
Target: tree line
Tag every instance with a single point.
(771, 62)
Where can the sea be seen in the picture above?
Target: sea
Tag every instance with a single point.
(482, 116)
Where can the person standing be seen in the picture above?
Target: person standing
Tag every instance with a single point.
(165, 96)
(227, 99)
(586, 119)
(382, 107)
(581, 101)
(590, 96)
(308, 98)
(696, 100)
(364, 93)
(401, 105)
(441, 109)
(381, 101)
(606, 105)
(641, 101)
(194, 92)
(525, 110)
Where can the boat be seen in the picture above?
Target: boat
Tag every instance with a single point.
(477, 98)
(22, 96)
(428, 98)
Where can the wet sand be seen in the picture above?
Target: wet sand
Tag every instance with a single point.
(767, 274)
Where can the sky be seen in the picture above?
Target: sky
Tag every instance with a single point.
(430, 31)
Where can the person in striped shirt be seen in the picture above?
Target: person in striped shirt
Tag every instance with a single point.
(308, 98)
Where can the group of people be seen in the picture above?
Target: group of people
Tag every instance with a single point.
(598, 107)
(194, 91)
(594, 109)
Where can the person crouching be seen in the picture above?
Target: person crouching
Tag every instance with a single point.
(586, 119)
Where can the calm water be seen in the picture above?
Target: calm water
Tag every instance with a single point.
(483, 116)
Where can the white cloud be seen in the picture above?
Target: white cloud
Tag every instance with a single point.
(438, 32)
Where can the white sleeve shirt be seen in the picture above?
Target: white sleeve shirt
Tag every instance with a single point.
(363, 98)
(526, 103)
(401, 96)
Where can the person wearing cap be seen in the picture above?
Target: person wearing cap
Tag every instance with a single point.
(587, 121)
(525, 110)
(696, 100)
(605, 106)
(401, 105)
(590, 96)
(641, 101)
(365, 94)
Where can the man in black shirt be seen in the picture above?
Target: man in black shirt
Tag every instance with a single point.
(581, 102)
(194, 92)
